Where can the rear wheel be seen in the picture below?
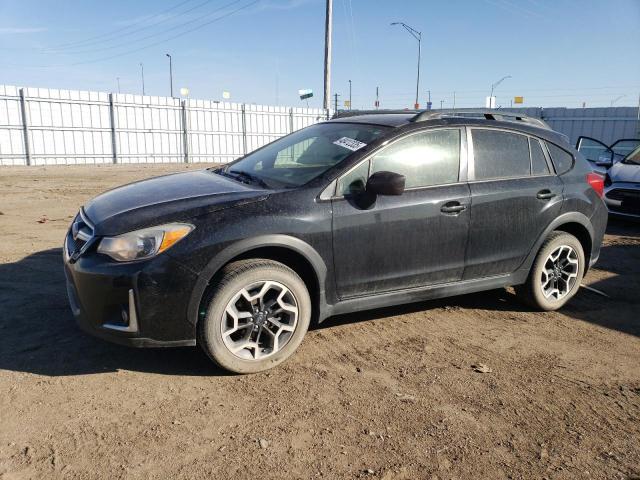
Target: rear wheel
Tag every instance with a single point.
(556, 273)
(256, 316)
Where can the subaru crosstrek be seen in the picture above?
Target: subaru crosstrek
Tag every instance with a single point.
(350, 214)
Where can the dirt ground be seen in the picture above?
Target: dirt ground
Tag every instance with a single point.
(388, 394)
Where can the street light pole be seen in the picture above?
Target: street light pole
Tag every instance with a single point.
(350, 104)
(327, 55)
(494, 85)
(418, 36)
(616, 99)
(142, 73)
(170, 75)
(118, 80)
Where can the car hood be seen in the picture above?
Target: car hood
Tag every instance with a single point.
(165, 199)
(625, 172)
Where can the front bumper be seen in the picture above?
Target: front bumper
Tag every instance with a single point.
(140, 304)
(623, 200)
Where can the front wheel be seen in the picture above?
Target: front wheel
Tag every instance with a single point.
(256, 317)
(556, 273)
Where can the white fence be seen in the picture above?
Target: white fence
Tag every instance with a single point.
(63, 127)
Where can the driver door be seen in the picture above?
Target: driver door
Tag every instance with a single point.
(388, 243)
(600, 156)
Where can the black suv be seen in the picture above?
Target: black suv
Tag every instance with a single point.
(350, 214)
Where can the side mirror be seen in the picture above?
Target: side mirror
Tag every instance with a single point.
(605, 159)
(386, 183)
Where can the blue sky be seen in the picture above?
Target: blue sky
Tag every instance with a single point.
(558, 52)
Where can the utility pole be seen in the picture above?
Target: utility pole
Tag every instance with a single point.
(418, 36)
(639, 114)
(350, 104)
(170, 75)
(142, 73)
(118, 80)
(327, 55)
(454, 100)
(378, 99)
(441, 102)
(335, 102)
(429, 100)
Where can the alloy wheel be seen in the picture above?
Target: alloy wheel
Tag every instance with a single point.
(559, 273)
(259, 320)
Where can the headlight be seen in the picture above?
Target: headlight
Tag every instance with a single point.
(144, 243)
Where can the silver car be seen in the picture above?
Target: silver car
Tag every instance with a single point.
(620, 165)
(622, 187)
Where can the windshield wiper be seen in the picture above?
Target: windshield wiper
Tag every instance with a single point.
(239, 174)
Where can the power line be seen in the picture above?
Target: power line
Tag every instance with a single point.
(181, 34)
(163, 32)
(221, 17)
(90, 40)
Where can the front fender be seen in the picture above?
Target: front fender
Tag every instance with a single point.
(243, 246)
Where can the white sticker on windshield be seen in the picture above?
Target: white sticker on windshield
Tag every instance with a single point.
(350, 143)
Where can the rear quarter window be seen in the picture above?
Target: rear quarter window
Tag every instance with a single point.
(562, 160)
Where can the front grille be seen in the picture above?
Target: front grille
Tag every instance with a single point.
(626, 208)
(622, 194)
(80, 233)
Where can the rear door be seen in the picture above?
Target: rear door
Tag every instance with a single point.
(514, 196)
(406, 241)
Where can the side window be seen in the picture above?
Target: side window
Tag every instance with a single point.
(538, 161)
(562, 161)
(500, 154)
(425, 158)
(355, 181)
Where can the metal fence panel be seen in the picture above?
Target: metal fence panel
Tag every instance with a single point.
(12, 145)
(605, 124)
(79, 127)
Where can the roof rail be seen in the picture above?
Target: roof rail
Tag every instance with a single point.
(489, 114)
(354, 113)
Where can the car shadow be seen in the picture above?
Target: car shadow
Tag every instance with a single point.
(38, 333)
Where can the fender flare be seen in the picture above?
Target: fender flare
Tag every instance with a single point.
(569, 217)
(238, 248)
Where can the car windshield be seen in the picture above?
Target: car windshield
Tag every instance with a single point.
(296, 159)
(633, 158)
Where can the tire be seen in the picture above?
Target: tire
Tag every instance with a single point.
(534, 293)
(278, 320)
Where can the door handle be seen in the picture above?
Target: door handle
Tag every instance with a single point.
(452, 207)
(545, 194)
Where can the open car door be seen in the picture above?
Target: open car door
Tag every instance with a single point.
(602, 156)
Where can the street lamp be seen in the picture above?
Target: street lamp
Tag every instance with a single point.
(170, 75)
(418, 36)
(494, 85)
(350, 104)
(616, 99)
